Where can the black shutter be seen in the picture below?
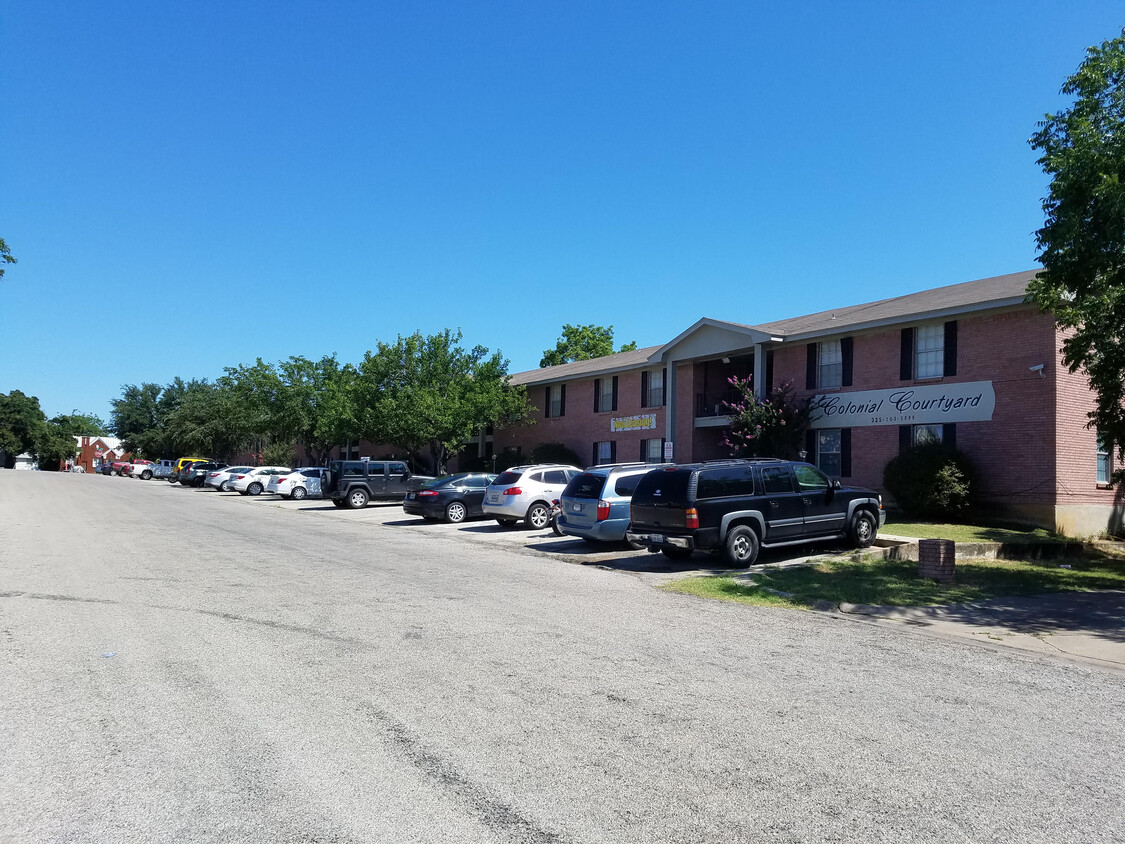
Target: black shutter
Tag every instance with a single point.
(597, 394)
(594, 456)
(810, 445)
(906, 355)
(810, 366)
(846, 354)
(546, 407)
(904, 437)
(950, 348)
(845, 452)
(613, 450)
(949, 435)
(615, 392)
(644, 450)
(562, 399)
(644, 389)
(665, 380)
(769, 372)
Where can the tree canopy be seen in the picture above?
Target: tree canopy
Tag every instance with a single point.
(22, 425)
(1082, 241)
(582, 342)
(5, 257)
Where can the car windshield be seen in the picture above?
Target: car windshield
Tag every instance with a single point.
(444, 480)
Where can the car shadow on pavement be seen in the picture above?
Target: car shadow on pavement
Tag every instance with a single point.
(1100, 614)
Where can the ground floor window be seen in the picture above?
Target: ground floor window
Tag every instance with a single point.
(605, 452)
(1104, 470)
(927, 434)
(828, 452)
(652, 451)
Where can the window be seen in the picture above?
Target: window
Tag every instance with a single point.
(776, 479)
(652, 388)
(828, 452)
(1104, 468)
(556, 401)
(927, 434)
(626, 484)
(555, 477)
(831, 364)
(349, 450)
(605, 452)
(809, 478)
(729, 480)
(605, 394)
(398, 468)
(652, 451)
(929, 351)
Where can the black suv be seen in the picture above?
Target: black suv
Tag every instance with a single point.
(352, 483)
(739, 506)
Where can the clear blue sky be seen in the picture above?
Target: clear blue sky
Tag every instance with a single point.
(190, 186)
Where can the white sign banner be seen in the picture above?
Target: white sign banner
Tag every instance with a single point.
(928, 404)
(647, 422)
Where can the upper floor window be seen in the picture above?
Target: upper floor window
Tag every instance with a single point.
(1104, 467)
(829, 364)
(605, 394)
(929, 351)
(652, 388)
(556, 401)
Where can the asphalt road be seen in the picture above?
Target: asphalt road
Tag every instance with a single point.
(180, 665)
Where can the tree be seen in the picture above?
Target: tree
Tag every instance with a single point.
(771, 427)
(429, 392)
(210, 420)
(5, 257)
(22, 425)
(316, 404)
(138, 420)
(81, 424)
(1082, 241)
(582, 342)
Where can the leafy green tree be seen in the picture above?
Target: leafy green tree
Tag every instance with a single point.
(137, 419)
(316, 404)
(54, 444)
(1082, 241)
(424, 392)
(210, 420)
(81, 424)
(258, 389)
(771, 427)
(5, 257)
(582, 342)
(22, 425)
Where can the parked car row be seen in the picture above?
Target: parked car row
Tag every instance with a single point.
(730, 507)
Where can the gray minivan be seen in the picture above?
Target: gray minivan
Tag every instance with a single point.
(595, 505)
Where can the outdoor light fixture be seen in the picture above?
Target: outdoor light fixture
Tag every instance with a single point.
(726, 360)
(1038, 368)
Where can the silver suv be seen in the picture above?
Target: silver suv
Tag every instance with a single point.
(527, 492)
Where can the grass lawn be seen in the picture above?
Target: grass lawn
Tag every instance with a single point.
(895, 582)
(969, 533)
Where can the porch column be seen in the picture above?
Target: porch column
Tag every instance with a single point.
(759, 370)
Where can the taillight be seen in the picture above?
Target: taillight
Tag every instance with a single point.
(213, 475)
(513, 490)
(427, 493)
(691, 518)
(603, 511)
(280, 481)
(239, 477)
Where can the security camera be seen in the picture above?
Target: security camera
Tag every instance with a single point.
(1037, 368)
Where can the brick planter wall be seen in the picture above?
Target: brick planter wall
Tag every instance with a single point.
(936, 559)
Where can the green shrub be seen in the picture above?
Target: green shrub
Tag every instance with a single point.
(930, 480)
(553, 453)
(278, 454)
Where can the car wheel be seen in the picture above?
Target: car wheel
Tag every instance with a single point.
(146, 475)
(224, 486)
(298, 493)
(339, 505)
(456, 512)
(505, 522)
(673, 553)
(863, 530)
(538, 516)
(741, 546)
(254, 489)
(357, 499)
(555, 527)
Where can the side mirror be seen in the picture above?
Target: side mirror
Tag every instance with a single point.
(837, 485)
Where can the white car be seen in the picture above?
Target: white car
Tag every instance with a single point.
(141, 469)
(253, 482)
(527, 492)
(221, 479)
(309, 482)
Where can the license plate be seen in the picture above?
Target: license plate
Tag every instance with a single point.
(576, 508)
(656, 537)
(494, 498)
(410, 496)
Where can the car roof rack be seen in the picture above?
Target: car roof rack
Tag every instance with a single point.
(629, 465)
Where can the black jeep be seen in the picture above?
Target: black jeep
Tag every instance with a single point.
(352, 483)
(739, 506)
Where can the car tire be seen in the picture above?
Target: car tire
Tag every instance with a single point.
(224, 486)
(863, 529)
(506, 522)
(298, 493)
(339, 505)
(146, 475)
(676, 553)
(254, 489)
(555, 528)
(357, 499)
(740, 548)
(538, 516)
(455, 512)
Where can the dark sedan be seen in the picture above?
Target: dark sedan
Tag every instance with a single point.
(453, 498)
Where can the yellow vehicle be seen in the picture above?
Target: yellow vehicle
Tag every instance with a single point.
(183, 461)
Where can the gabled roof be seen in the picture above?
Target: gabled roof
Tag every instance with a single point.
(1002, 291)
